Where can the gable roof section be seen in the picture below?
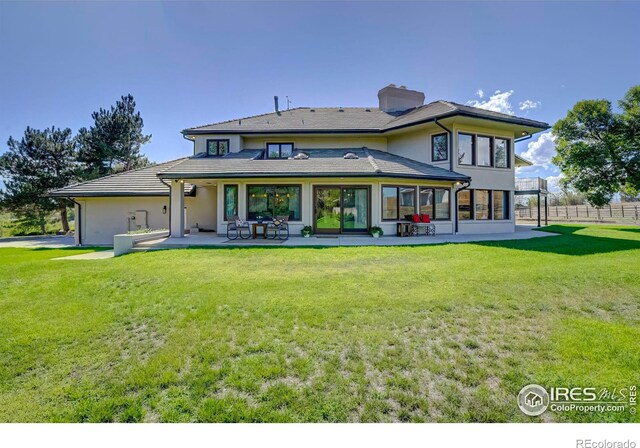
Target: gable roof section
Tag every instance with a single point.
(139, 182)
(353, 120)
(249, 163)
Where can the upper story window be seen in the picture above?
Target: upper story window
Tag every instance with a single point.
(485, 151)
(279, 150)
(217, 147)
(465, 149)
(439, 148)
(501, 153)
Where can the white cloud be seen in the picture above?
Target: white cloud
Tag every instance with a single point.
(480, 93)
(553, 183)
(498, 102)
(541, 151)
(529, 104)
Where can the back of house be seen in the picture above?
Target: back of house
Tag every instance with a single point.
(338, 170)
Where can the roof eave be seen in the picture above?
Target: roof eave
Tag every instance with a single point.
(289, 175)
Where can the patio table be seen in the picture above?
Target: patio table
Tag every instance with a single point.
(254, 228)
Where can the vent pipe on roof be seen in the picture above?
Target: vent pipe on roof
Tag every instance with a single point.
(275, 103)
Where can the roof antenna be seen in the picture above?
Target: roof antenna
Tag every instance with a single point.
(288, 102)
(275, 104)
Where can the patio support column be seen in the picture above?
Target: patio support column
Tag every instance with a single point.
(177, 209)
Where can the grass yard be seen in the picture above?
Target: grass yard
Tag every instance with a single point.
(437, 333)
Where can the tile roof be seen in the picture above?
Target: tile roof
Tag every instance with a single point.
(354, 119)
(321, 163)
(140, 182)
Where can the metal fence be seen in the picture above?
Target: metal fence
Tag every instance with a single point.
(628, 212)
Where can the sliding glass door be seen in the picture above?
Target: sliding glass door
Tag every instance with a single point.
(341, 209)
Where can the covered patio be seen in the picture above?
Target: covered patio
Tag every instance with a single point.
(213, 240)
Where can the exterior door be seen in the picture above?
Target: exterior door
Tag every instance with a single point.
(340, 209)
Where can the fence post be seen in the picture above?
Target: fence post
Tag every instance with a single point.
(610, 212)
(636, 207)
(622, 207)
(566, 212)
(587, 207)
(598, 211)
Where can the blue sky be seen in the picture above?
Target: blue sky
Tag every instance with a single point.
(194, 63)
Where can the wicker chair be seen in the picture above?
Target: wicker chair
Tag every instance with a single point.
(279, 227)
(235, 228)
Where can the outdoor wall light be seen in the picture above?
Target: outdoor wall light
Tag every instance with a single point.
(525, 133)
(164, 210)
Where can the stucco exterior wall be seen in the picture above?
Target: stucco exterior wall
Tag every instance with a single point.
(103, 217)
(319, 142)
(307, 199)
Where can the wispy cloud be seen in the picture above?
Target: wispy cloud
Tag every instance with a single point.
(529, 104)
(498, 102)
(480, 93)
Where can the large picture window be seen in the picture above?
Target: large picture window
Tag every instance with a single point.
(397, 202)
(465, 149)
(501, 153)
(216, 148)
(439, 150)
(270, 201)
(482, 202)
(465, 205)
(230, 201)
(484, 151)
(434, 202)
(279, 150)
(500, 205)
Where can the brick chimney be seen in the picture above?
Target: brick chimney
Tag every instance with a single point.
(395, 99)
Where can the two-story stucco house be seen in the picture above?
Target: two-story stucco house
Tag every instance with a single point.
(339, 170)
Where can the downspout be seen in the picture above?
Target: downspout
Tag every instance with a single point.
(450, 149)
(456, 201)
(192, 141)
(78, 219)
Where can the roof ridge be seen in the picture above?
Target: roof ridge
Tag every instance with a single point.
(120, 174)
(372, 160)
(243, 118)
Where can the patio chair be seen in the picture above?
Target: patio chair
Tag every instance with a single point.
(235, 228)
(279, 227)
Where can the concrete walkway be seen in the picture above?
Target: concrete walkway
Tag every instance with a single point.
(99, 255)
(521, 233)
(49, 241)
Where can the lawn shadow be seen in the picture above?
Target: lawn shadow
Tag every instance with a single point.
(568, 243)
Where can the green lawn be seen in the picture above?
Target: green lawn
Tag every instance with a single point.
(438, 333)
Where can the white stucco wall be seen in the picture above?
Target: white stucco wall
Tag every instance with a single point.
(103, 217)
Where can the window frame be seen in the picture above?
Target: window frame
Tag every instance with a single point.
(217, 140)
(224, 200)
(506, 196)
(397, 187)
(491, 151)
(266, 150)
(433, 215)
(489, 205)
(493, 157)
(446, 139)
(473, 149)
(472, 205)
(299, 186)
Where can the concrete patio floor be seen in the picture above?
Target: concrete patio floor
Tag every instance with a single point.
(521, 233)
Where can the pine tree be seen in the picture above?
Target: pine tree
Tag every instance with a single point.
(39, 162)
(113, 143)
